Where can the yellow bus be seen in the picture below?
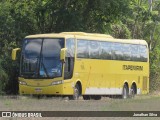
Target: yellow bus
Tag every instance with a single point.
(88, 64)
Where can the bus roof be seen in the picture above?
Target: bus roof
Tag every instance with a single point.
(88, 36)
(49, 35)
(64, 34)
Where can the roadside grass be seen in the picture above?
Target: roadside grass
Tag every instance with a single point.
(140, 102)
(149, 102)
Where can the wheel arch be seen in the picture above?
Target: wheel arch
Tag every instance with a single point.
(79, 83)
(126, 83)
(125, 90)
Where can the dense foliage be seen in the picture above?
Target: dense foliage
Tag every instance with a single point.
(120, 18)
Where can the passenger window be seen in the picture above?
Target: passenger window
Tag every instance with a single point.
(82, 49)
(70, 45)
(116, 51)
(135, 56)
(94, 49)
(105, 50)
(143, 53)
(126, 52)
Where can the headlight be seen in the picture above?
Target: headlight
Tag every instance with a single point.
(57, 82)
(22, 83)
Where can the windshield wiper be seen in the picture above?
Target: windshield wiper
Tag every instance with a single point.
(41, 61)
(45, 70)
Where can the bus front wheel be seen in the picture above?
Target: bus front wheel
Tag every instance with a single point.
(76, 93)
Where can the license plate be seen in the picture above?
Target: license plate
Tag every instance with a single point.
(38, 90)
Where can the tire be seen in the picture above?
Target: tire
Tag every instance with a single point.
(86, 97)
(125, 92)
(133, 92)
(76, 93)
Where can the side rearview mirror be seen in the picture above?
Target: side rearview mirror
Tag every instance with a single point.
(63, 54)
(14, 53)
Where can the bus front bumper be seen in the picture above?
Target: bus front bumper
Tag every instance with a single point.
(60, 89)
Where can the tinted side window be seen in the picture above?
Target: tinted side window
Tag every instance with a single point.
(82, 49)
(70, 45)
(94, 49)
(143, 53)
(117, 53)
(126, 51)
(135, 53)
(105, 50)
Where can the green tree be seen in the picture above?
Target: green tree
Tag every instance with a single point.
(119, 18)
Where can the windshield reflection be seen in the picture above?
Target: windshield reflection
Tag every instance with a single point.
(41, 58)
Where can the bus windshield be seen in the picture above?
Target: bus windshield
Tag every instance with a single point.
(40, 58)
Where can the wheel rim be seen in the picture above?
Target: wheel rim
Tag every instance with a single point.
(132, 92)
(124, 93)
(76, 93)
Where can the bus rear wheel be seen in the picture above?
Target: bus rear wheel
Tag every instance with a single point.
(125, 92)
(76, 93)
(133, 91)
